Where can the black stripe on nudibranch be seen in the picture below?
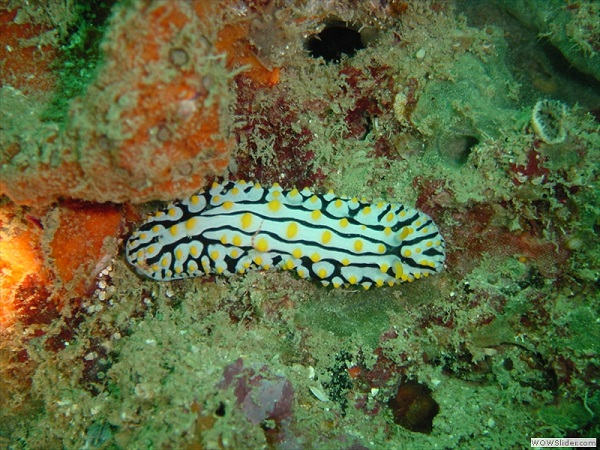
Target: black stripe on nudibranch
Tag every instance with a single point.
(237, 226)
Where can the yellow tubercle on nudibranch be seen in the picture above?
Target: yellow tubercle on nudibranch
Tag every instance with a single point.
(338, 241)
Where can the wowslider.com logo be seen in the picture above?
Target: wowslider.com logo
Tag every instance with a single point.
(563, 442)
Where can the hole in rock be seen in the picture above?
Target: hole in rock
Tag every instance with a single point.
(456, 149)
(413, 407)
(334, 41)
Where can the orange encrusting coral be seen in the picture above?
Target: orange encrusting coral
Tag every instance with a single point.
(46, 268)
(148, 127)
(23, 276)
(233, 40)
(83, 243)
(43, 183)
(169, 124)
(25, 64)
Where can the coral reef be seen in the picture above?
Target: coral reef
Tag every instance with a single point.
(82, 240)
(427, 103)
(53, 256)
(25, 279)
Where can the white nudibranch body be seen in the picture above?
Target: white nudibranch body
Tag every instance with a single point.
(237, 226)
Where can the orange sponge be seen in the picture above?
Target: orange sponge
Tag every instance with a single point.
(155, 122)
(83, 241)
(25, 64)
(42, 269)
(24, 281)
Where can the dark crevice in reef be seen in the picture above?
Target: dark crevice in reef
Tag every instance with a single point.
(413, 407)
(563, 67)
(458, 148)
(335, 40)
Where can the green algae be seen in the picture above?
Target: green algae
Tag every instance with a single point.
(582, 326)
(80, 55)
(567, 416)
(574, 30)
(361, 316)
(472, 102)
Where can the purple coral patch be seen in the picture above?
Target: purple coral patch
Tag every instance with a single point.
(261, 394)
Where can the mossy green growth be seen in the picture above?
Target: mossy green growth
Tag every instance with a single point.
(573, 30)
(355, 315)
(566, 415)
(583, 326)
(474, 104)
(80, 55)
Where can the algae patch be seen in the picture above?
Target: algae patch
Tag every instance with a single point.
(80, 55)
(361, 316)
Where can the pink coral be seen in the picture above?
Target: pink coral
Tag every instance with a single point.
(260, 394)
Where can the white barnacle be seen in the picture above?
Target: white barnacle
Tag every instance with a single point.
(547, 120)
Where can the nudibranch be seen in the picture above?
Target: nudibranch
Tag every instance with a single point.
(237, 226)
